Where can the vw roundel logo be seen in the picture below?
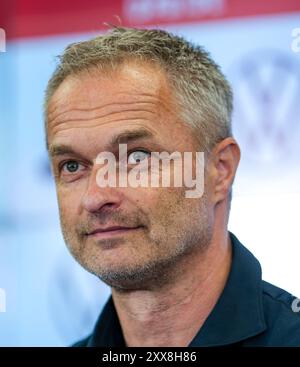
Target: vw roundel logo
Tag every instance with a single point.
(266, 119)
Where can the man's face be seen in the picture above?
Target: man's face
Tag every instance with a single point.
(152, 229)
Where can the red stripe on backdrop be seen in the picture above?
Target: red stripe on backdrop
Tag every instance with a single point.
(27, 18)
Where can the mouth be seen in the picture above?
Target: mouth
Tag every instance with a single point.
(112, 231)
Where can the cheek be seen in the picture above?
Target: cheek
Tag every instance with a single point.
(144, 198)
(177, 213)
(69, 204)
(159, 206)
(168, 207)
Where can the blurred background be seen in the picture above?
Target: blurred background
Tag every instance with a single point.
(46, 299)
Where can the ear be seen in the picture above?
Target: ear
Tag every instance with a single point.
(224, 161)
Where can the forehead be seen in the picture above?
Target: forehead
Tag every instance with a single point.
(128, 83)
(97, 103)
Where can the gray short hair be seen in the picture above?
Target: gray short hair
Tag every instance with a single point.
(203, 94)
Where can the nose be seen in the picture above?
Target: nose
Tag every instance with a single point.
(96, 198)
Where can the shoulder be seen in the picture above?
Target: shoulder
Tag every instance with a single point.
(279, 303)
(282, 317)
(81, 343)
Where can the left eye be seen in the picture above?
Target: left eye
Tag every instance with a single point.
(137, 156)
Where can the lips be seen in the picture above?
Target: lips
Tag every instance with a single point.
(108, 229)
(113, 230)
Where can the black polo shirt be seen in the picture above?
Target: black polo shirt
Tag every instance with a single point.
(249, 312)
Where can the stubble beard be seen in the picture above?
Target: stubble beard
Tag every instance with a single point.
(154, 273)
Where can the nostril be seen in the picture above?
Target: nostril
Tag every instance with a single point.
(94, 203)
(110, 205)
(95, 198)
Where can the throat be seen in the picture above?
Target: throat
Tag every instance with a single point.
(172, 316)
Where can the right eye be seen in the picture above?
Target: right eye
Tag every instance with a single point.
(71, 167)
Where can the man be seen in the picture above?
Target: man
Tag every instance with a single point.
(177, 276)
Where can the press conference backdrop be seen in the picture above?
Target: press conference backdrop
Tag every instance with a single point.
(49, 299)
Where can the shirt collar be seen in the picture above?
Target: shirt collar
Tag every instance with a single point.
(237, 315)
(107, 332)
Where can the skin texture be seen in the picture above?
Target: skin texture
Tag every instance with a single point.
(168, 271)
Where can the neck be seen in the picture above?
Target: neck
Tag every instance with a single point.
(173, 314)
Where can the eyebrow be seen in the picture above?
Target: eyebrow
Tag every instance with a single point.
(61, 149)
(124, 137)
(128, 136)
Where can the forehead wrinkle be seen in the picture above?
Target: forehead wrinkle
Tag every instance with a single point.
(93, 109)
(153, 110)
(151, 98)
(128, 135)
(84, 126)
(62, 103)
(132, 115)
(97, 116)
(53, 103)
(53, 109)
